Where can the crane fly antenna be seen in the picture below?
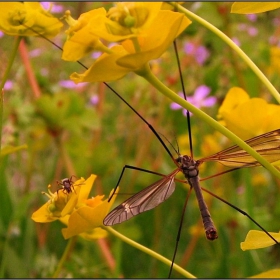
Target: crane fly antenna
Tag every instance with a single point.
(176, 151)
(185, 96)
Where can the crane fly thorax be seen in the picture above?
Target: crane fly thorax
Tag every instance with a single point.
(188, 166)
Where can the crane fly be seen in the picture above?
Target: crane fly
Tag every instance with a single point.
(267, 145)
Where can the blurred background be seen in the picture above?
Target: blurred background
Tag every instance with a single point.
(86, 129)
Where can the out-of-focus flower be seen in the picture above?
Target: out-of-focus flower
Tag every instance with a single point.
(272, 273)
(143, 31)
(256, 239)
(81, 214)
(253, 7)
(200, 53)
(274, 67)
(236, 41)
(252, 17)
(199, 99)
(94, 99)
(248, 117)
(20, 19)
(52, 7)
(251, 30)
(80, 41)
(70, 84)
(8, 85)
(35, 53)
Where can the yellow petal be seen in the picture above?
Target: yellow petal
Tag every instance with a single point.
(273, 273)
(87, 218)
(85, 187)
(114, 31)
(104, 68)
(166, 27)
(234, 97)
(256, 239)
(238, 113)
(94, 234)
(42, 215)
(81, 41)
(20, 18)
(253, 7)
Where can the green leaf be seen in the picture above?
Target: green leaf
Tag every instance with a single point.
(253, 7)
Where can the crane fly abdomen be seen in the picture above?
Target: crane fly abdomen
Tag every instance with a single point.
(190, 169)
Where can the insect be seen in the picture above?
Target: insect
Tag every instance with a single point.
(267, 145)
(67, 185)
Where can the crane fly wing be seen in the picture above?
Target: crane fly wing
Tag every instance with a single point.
(142, 201)
(267, 145)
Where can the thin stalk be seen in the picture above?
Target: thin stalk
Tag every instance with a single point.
(149, 252)
(4, 79)
(11, 61)
(146, 73)
(1, 116)
(65, 256)
(65, 156)
(229, 42)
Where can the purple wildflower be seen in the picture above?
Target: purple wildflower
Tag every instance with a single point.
(8, 85)
(55, 9)
(94, 99)
(252, 17)
(200, 53)
(252, 31)
(236, 41)
(199, 99)
(70, 84)
(35, 52)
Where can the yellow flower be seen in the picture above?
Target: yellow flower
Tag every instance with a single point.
(274, 67)
(80, 41)
(59, 205)
(18, 18)
(253, 7)
(88, 217)
(256, 239)
(272, 273)
(82, 215)
(152, 31)
(248, 117)
(126, 20)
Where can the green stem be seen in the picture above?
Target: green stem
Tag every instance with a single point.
(11, 61)
(1, 117)
(4, 79)
(136, 44)
(65, 156)
(149, 76)
(228, 41)
(149, 252)
(65, 256)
